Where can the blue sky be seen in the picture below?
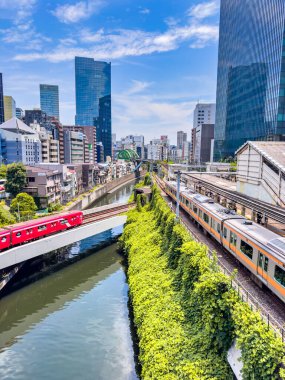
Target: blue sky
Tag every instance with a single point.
(163, 54)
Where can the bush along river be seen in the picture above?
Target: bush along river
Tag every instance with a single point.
(73, 322)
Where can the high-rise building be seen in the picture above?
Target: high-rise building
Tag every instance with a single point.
(202, 137)
(2, 116)
(35, 116)
(93, 98)
(204, 113)
(181, 138)
(49, 99)
(9, 107)
(251, 74)
(73, 147)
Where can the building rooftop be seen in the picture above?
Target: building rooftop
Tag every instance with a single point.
(39, 170)
(17, 126)
(273, 151)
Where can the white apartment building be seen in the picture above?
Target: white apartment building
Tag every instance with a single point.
(204, 113)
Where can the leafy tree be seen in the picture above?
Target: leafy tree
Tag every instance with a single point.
(54, 207)
(3, 171)
(16, 178)
(24, 205)
(6, 217)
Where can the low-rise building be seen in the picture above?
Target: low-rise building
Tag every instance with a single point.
(44, 185)
(261, 171)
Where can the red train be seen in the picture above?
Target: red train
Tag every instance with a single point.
(21, 233)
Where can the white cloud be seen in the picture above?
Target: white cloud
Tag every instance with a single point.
(127, 42)
(72, 13)
(144, 11)
(203, 10)
(138, 86)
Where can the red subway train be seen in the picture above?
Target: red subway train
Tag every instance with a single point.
(11, 236)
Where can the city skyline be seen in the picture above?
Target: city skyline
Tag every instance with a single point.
(164, 59)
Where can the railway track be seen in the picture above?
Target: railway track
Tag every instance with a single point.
(262, 300)
(273, 212)
(105, 213)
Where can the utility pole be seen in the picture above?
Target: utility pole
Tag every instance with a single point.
(178, 193)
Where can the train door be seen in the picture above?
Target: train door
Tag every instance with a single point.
(262, 266)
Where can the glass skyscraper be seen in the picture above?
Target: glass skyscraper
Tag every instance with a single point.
(49, 100)
(93, 98)
(251, 74)
(2, 118)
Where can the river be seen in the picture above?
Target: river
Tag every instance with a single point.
(73, 323)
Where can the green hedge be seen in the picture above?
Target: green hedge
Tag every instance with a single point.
(186, 313)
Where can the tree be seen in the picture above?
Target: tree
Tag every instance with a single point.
(6, 217)
(23, 206)
(3, 171)
(16, 178)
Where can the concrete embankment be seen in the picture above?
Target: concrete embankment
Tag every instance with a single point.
(83, 203)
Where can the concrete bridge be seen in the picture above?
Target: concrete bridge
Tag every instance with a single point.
(95, 221)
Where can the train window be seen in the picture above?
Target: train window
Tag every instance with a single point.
(187, 203)
(279, 275)
(64, 221)
(3, 239)
(225, 232)
(246, 249)
(265, 267)
(206, 218)
(233, 238)
(200, 213)
(195, 209)
(218, 227)
(260, 260)
(213, 223)
(18, 234)
(42, 228)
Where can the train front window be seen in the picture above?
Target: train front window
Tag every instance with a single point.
(246, 249)
(3, 239)
(279, 275)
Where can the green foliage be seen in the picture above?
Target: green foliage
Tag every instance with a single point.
(24, 205)
(3, 171)
(233, 166)
(147, 180)
(166, 347)
(16, 178)
(6, 217)
(186, 313)
(52, 207)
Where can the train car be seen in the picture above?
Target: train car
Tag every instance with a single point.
(257, 248)
(5, 239)
(34, 229)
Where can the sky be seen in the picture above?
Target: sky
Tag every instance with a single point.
(163, 55)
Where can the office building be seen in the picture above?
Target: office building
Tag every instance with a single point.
(9, 107)
(251, 74)
(35, 116)
(2, 116)
(93, 98)
(181, 137)
(204, 113)
(89, 133)
(202, 137)
(73, 147)
(20, 113)
(19, 143)
(49, 100)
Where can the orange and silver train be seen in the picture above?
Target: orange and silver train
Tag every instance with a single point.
(257, 248)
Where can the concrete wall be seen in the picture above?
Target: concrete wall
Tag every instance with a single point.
(98, 193)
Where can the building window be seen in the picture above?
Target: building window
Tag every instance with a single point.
(246, 249)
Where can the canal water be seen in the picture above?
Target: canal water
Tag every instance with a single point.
(73, 323)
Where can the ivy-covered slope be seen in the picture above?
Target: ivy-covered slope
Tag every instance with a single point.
(186, 313)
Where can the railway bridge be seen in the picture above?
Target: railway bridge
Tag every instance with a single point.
(95, 221)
